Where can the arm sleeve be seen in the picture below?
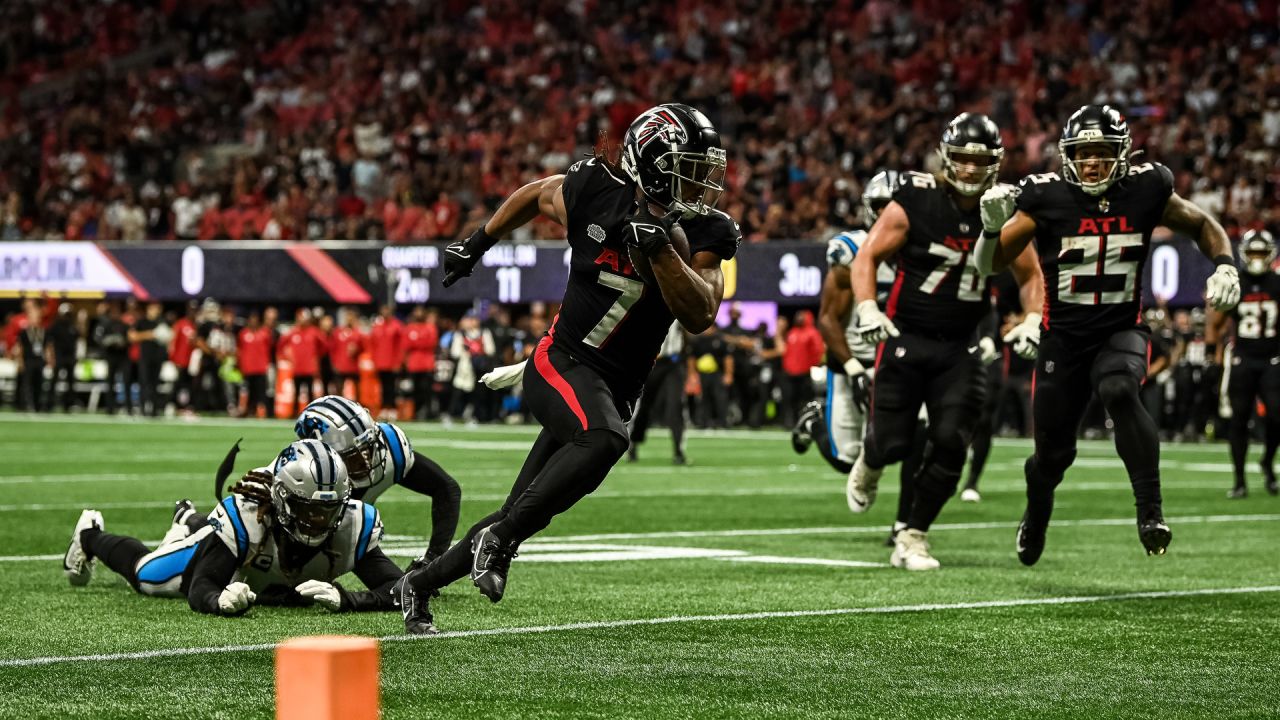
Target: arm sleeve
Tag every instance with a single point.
(211, 570)
(428, 478)
(379, 574)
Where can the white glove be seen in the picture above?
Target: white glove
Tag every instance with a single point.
(1222, 290)
(235, 598)
(987, 352)
(1025, 336)
(998, 206)
(504, 377)
(874, 326)
(321, 593)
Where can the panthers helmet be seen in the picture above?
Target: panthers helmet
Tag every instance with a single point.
(1095, 125)
(309, 491)
(1259, 250)
(347, 427)
(673, 153)
(877, 193)
(977, 138)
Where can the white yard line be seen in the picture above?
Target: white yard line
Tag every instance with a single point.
(669, 620)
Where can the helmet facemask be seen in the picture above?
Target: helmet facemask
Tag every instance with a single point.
(697, 180)
(1259, 251)
(1114, 162)
(363, 458)
(972, 168)
(306, 520)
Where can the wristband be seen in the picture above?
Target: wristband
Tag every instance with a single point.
(853, 367)
(1223, 260)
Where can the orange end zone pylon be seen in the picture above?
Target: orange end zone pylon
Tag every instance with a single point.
(327, 677)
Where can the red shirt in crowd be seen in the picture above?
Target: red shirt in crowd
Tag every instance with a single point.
(804, 346)
(184, 333)
(421, 339)
(386, 340)
(302, 346)
(345, 346)
(253, 351)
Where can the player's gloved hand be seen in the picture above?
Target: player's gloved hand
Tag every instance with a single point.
(987, 351)
(874, 326)
(1222, 290)
(1025, 337)
(460, 258)
(648, 232)
(235, 599)
(321, 593)
(998, 206)
(859, 381)
(503, 377)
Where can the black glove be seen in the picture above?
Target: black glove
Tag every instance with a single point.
(861, 391)
(460, 258)
(648, 232)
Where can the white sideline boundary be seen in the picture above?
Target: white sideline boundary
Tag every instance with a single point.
(670, 620)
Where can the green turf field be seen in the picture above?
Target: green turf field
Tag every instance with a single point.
(738, 587)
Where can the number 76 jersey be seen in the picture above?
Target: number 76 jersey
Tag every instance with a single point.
(1093, 248)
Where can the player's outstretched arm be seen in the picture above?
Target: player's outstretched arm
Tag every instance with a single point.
(541, 197)
(1222, 290)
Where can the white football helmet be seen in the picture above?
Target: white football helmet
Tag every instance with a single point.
(310, 490)
(347, 427)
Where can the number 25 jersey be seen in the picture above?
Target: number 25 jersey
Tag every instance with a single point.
(1093, 248)
(611, 320)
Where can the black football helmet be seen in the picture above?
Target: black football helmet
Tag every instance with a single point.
(877, 193)
(1258, 248)
(673, 153)
(971, 135)
(1092, 125)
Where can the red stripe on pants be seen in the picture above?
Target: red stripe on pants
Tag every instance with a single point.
(548, 371)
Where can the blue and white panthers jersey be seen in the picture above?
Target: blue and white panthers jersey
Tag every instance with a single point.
(396, 461)
(841, 250)
(235, 521)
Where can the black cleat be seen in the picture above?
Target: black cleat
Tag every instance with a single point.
(632, 456)
(1154, 534)
(490, 561)
(1030, 544)
(1269, 479)
(679, 459)
(414, 608)
(1237, 492)
(892, 540)
(800, 437)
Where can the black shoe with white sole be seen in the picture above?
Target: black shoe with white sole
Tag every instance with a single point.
(490, 562)
(1153, 532)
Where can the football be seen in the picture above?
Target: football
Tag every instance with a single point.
(679, 241)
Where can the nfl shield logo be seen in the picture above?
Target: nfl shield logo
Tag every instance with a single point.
(964, 227)
(900, 352)
(1048, 367)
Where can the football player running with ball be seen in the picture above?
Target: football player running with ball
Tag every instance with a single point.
(929, 351)
(1092, 228)
(590, 367)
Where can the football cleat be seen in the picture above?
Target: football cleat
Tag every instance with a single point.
(490, 561)
(414, 608)
(970, 494)
(800, 437)
(1269, 479)
(911, 551)
(860, 489)
(1154, 533)
(1030, 543)
(77, 564)
(679, 459)
(1237, 492)
(182, 511)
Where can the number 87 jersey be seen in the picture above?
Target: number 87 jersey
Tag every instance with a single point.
(1093, 248)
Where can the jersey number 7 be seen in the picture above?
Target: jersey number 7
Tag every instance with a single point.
(631, 291)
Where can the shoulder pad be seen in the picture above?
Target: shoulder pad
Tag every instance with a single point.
(235, 520)
(714, 232)
(843, 248)
(1033, 188)
(399, 450)
(369, 521)
(913, 186)
(1159, 176)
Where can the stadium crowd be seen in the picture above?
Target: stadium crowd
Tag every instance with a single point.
(404, 121)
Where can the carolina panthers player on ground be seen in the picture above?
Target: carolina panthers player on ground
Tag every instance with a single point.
(591, 365)
(930, 351)
(1255, 357)
(1092, 227)
(283, 536)
(377, 456)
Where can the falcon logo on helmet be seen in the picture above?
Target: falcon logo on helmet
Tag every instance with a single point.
(659, 122)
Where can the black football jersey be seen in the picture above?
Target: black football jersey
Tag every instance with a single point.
(1093, 248)
(937, 291)
(1255, 316)
(611, 320)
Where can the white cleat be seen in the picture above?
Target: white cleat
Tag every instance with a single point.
(911, 551)
(860, 489)
(77, 565)
(970, 495)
